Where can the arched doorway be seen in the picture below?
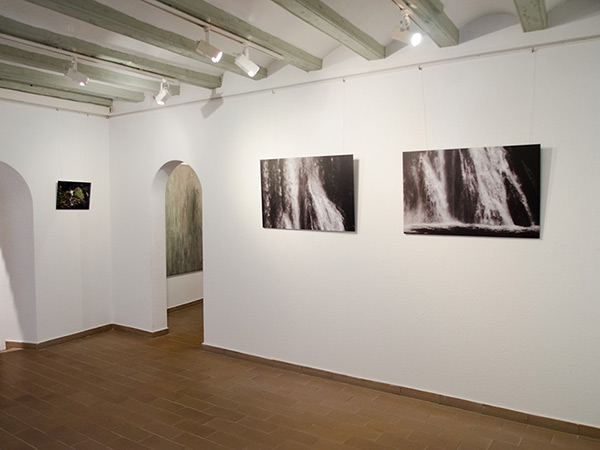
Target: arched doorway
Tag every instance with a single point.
(186, 283)
(183, 215)
(18, 321)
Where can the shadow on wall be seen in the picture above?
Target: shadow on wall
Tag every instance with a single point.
(572, 11)
(488, 24)
(18, 320)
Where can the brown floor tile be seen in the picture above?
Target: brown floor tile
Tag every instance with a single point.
(399, 441)
(259, 437)
(12, 442)
(257, 424)
(191, 441)
(122, 443)
(292, 445)
(195, 428)
(160, 443)
(366, 444)
(34, 437)
(228, 440)
(465, 439)
(131, 432)
(89, 445)
(56, 445)
(499, 445)
(300, 437)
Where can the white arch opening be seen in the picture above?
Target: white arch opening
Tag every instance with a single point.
(18, 318)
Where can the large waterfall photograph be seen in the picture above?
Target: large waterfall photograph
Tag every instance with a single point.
(314, 193)
(489, 191)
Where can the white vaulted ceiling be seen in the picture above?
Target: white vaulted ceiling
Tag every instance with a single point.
(128, 48)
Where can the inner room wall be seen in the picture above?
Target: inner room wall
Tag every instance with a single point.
(501, 321)
(184, 288)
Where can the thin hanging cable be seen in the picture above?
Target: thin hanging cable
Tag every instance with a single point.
(59, 145)
(533, 85)
(424, 107)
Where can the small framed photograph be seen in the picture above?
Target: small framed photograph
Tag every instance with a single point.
(73, 195)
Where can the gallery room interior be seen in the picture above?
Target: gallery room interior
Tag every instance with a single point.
(499, 326)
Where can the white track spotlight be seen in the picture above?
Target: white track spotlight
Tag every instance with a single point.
(243, 62)
(163, 94)
(402, 32)
(75, 75)
(210, 51)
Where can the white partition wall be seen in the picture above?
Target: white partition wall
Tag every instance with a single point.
(69, 284)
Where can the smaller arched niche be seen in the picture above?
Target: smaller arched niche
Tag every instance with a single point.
(18, 322)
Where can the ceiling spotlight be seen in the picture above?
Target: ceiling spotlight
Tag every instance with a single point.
(210, 51)
(75, 75)
(163, 94)
(244, 63)
(402, 32)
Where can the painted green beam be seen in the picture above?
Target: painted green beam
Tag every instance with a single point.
(532, 14)
(45, 62)
(55, 93)
(20, 74)
(429, 15)
(221, 19)
(81, 47)
(110, 19)
(322, 17)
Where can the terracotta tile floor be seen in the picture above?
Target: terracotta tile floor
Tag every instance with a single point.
(122, 391)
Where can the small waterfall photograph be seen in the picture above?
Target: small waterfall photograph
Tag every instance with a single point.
(312, 193)
(488, 191)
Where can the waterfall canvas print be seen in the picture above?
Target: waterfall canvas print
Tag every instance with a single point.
(490, 191)
(314, 193)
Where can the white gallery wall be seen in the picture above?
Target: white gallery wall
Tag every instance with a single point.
(502, 321)
(56, 264)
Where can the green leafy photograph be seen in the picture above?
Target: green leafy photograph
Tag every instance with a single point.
(73, 195)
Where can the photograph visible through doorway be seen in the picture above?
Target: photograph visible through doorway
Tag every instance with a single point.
(183, 221)
(489, 191)
(312, 193)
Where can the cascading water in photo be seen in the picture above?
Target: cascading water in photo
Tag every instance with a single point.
(490, 191)
(313, 193)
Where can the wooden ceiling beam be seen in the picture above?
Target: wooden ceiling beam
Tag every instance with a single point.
(532, 14)
(110, 19)
(45, 62)
(55, 93)
(212, 15)
(322, 17)
(81, 47)
(9, 72)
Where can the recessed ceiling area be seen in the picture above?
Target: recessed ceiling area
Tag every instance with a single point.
(130, 50)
